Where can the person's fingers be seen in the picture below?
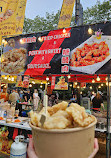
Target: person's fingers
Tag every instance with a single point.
(96, 148)
(30, 150)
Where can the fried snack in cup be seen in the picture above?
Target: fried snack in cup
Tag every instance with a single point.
(60, 106)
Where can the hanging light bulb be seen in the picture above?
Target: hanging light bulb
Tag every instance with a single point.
(4, 42)
(78, 87)
(48, 83)
(30, 85)
(106, 83)
(106, 79)
(84, 87)
(102, 84)
(69, 76)
(90, 31)
(92, 92)
(9, 78)
(33, 82)
(99, 87)
(40, 39)
(5, 77)
(70, 85)
(47, 78)
(40, 86)
(93, 81)
(41, 82)
(98, 78)
(21, 41)
(80, 92)
(12, 79)
(90, 87)
(75, 83)
(64, 30)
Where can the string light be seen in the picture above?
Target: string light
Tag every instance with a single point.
(48, 83)
(40, 39)
(40, 86)
(69, 76)
(5, 77)
(33, 82)
(78, 87)
(106, 79)
(102, 84)
(41, 82)
(90, 31)
(4, 41)
(90, 87)
(98, 78)
(70, 85)
(106, 83)
(93, 81)
(64, 30)
(9, 79)
(99, 87)
(21, 41)
(12, 79)
(75, 83)
(30, 85)
(80, 92)
(84, 87)
(47, 78)
(92, 92)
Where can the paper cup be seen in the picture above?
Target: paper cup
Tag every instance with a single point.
(64, 143)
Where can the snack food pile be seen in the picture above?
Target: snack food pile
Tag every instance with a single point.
(60, 116)
(90, 54)
(14, 60)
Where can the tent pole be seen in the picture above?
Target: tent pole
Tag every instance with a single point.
(108, 120)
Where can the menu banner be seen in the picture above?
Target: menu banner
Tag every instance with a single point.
(66, 13)
(57, 52)
(11, 17)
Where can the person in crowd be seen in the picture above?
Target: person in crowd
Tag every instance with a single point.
(93, 95)
(27, 96)
(35, 99)
(57, 95)
(31, 152)
(4, 95)
(97, 102)
(21, 94)
(52, 100)
(13, 98)
(73, 99)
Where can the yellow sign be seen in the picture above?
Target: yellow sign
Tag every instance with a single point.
(11, 17)
(66, 13)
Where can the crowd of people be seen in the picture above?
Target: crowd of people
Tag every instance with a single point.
(35, 97)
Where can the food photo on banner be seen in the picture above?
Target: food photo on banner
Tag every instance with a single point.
(72, 51)
(23, 81)
(61, 83)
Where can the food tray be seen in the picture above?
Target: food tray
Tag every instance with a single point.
(91, 69)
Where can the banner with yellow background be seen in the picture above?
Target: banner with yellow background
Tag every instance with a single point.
(11, 17)
(66, 13)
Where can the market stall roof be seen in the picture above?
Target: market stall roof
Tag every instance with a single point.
(77, 78)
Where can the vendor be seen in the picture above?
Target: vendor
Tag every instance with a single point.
(13, 97)
(97, 102)
(4, 95)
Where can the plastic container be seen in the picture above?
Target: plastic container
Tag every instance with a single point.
(64, 143)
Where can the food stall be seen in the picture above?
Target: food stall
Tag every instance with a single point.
(60, 53)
